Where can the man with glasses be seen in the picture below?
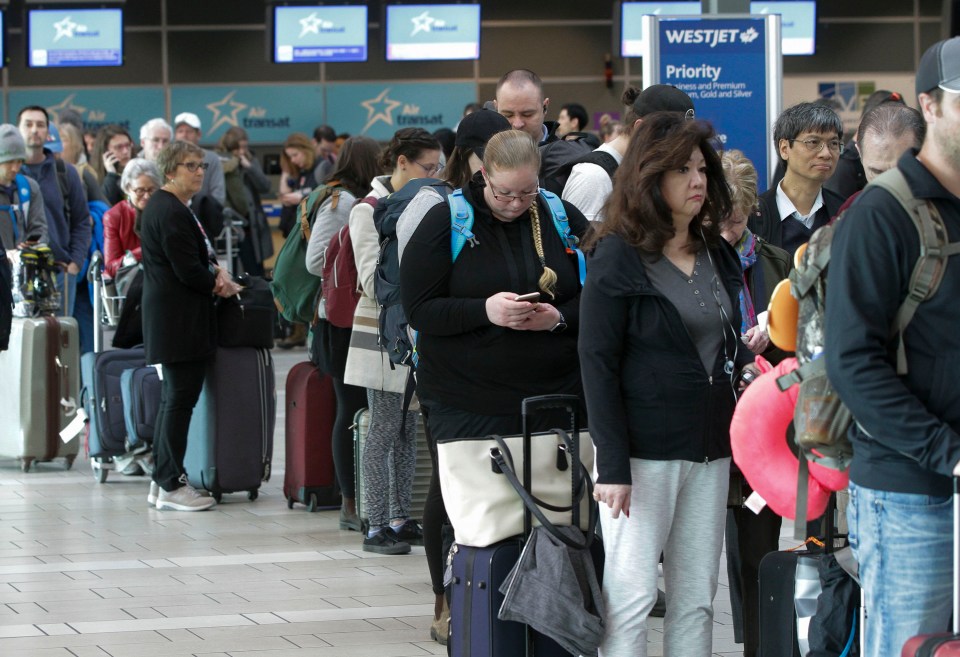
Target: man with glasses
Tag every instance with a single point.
(64, 200)
(154, 135)
(809, 140)
(186, 127)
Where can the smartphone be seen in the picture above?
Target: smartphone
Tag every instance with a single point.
(532, 297)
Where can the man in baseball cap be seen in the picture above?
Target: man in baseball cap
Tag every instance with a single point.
(21, 202)
(906, 440)
(590, 178)
(186, 127)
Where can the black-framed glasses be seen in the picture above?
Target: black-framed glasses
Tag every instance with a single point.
(815, 144)
(430, 170)
(509, 198)
(143, 191)
(193, 166)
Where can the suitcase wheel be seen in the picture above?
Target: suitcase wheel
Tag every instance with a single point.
(252, 495)
(25, 463)
(312, 503)
(289, 502)
(70, 458)
(218, 497)
(100, 468)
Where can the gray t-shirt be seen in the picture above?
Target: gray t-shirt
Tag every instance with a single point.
(698, 299)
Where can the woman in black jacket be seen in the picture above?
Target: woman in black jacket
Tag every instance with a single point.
(180, 280)
(659, 350)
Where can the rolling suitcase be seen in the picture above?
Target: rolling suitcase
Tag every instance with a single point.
(230, 440)
(778, 615)
(945, 644)
(103, 403)
(140, 390)
(423, 469)
(310, 477)
(41, 389)
(477, 574)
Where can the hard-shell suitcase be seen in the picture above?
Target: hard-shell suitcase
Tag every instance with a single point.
(140, 390)
(945, 644)
(103, 403)
(422, 472)
(310, 477)
(230, 440)
(41, 389)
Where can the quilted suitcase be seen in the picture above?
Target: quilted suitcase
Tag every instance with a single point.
(422, 472)
(945, 644)
(230, 440)
(41, 389)
(140, 391)
(310, 477)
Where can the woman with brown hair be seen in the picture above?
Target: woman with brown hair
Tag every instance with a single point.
(659, 351)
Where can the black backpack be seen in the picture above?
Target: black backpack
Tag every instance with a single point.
(557, 153)
(556, 182)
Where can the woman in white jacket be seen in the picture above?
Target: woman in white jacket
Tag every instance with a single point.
(357, 164)
(389, 454)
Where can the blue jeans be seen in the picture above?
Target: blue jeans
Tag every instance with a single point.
(904, 543)
(71, 287)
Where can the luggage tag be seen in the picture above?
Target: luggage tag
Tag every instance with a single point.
(159, 371)
(75, 427)
(755, 503)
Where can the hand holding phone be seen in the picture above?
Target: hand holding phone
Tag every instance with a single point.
(532, 297)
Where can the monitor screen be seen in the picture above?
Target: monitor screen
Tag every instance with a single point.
(798, 24)
(422, 32)
(319, 34)
(75, 37)
(632, 38)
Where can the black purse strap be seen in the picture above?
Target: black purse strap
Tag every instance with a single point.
(582, 483)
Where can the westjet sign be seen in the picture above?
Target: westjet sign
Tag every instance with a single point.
(711, 37)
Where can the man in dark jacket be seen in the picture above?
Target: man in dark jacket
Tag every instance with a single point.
(64, 199)
(520, 100)
(907, 435)
(809, 139)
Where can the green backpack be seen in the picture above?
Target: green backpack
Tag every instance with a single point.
(295, 290)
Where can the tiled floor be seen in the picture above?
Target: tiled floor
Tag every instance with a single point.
(88, 570)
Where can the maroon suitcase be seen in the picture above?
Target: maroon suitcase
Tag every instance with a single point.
(310, 478)
(944, 644)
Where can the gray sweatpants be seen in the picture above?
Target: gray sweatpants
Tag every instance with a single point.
(676, 507)
(389, 459)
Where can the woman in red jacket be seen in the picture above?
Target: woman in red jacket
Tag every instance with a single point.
(120, 230)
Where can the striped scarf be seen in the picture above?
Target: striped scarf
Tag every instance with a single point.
(747, 250)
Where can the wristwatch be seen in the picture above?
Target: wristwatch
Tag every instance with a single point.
(560, 326)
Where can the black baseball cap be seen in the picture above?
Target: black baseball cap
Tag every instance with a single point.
(940, 67)
(662, 98)
(476, 128)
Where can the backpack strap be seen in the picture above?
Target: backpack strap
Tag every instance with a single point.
(23, 191)
(571, 241)
(935, 250)
(64, 187)
(461, 223)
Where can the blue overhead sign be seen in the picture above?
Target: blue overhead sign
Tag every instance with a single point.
(722, 65)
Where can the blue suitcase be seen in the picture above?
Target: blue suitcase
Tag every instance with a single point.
(230, 440)
(140, 390)
(103, 403)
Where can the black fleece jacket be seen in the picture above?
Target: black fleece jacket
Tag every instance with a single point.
(648, 395)
(907, 435)
(466, 361)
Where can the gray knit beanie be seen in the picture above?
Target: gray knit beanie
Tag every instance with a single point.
(12, 146)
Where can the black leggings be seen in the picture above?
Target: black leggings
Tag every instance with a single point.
(350, 399)
(180, 390)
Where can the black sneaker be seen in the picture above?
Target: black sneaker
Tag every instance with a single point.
(410, 532)
(385, 542)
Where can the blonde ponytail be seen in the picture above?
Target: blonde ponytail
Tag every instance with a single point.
(548, 279)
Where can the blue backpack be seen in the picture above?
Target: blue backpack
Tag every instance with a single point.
(394, 334)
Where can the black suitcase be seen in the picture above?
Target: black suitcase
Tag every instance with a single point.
(778, 616)
(478, 572)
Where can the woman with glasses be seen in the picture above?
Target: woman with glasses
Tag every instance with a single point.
(112, 150)
(660, 350)
(481, 349)
(181, 280)
(139, 181)
(390, 450)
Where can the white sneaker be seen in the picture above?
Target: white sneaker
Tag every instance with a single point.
(152, 495)
(185, 498)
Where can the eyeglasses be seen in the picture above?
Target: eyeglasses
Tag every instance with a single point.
(126, 146)
(193, 166)
(509, 198)
(143, 191)
(815, 144)
(431, 170)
